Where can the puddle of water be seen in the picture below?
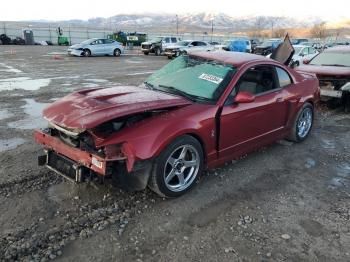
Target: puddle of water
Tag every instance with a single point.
(344, 170)
(12, 143)
(310, 163)
(337, 182)
(9, 69)
(327, 144)
(135, 60)
(24, 83)
(4, 114)
(57, 53)
(90, 85)
(34, 117)
(140, 73)
(97, 80)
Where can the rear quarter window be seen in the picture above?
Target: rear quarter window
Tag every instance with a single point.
(283, 77)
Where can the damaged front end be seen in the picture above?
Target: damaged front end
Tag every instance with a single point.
(334, 87)
(76, 155)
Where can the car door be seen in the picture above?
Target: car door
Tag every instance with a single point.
(97, 47)
(246, 126)
(109, 46)
(166, 42)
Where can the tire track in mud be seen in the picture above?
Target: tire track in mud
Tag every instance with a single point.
(29, 184)
(44, 239)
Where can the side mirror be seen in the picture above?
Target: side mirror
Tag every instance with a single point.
(190, 45)
(306, 61)
(301, 54)
(244, 97)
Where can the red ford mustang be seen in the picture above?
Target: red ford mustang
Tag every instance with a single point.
(195, 113)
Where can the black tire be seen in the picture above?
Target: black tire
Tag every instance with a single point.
(146, 53)
(157, 51)
(294, 135)
(170, 57)
(117, 52)
(87, 52)
(157, 179)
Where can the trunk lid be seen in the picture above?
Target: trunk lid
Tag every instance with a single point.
(89, 108)
(284, 52)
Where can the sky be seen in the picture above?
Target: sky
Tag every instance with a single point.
(17, 10)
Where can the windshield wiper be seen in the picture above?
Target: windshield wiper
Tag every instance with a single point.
(182, 93)
(333, 65)
(149, 85)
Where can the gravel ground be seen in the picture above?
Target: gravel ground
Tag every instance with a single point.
(287, 202)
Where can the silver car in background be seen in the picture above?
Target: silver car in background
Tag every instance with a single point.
(96, 47)
(187, 46)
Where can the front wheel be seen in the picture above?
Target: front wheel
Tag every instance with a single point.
(177, 168)
(303, 123)
(116, 52)
(87, 52)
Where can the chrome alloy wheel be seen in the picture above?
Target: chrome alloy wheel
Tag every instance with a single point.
(181, 168)
(305, 122)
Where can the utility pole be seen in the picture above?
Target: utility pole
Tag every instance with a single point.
(271, 29)
(212, 28)
(177, 25)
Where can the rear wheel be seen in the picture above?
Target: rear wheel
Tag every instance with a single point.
(116, 52)
(145, 53)
(302, 123)
(177, 168)
(170, 56)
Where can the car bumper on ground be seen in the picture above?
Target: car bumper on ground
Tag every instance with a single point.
(172, 53)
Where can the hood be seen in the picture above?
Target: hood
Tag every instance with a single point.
(89, 108)
(325, 70)
(76, 46)
(284, 52)
(150, 42)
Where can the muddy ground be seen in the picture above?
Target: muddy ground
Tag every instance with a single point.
(287, 202)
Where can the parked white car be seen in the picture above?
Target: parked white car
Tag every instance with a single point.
(96, 47)
(187, 46)
(303, 52)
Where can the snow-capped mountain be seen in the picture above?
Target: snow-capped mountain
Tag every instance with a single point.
(193, 22)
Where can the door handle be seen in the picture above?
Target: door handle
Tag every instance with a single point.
(279, 99)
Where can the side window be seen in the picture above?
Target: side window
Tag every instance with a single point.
(201, 44)
(312, 50)
(283, 77)
(195, 43)
(305, 51)
(173, 40)
(167, 40)
(108, 41)
(257, 80)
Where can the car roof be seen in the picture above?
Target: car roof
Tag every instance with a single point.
(234, 58)
(301, 46)
(338, 49)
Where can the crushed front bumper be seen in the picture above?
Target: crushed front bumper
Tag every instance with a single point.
(63, 159)
(75, 164)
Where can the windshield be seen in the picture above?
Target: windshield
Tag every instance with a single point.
(183, 43)
(87, 42)
(192, 77)
(332, 59)
(297, 49)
